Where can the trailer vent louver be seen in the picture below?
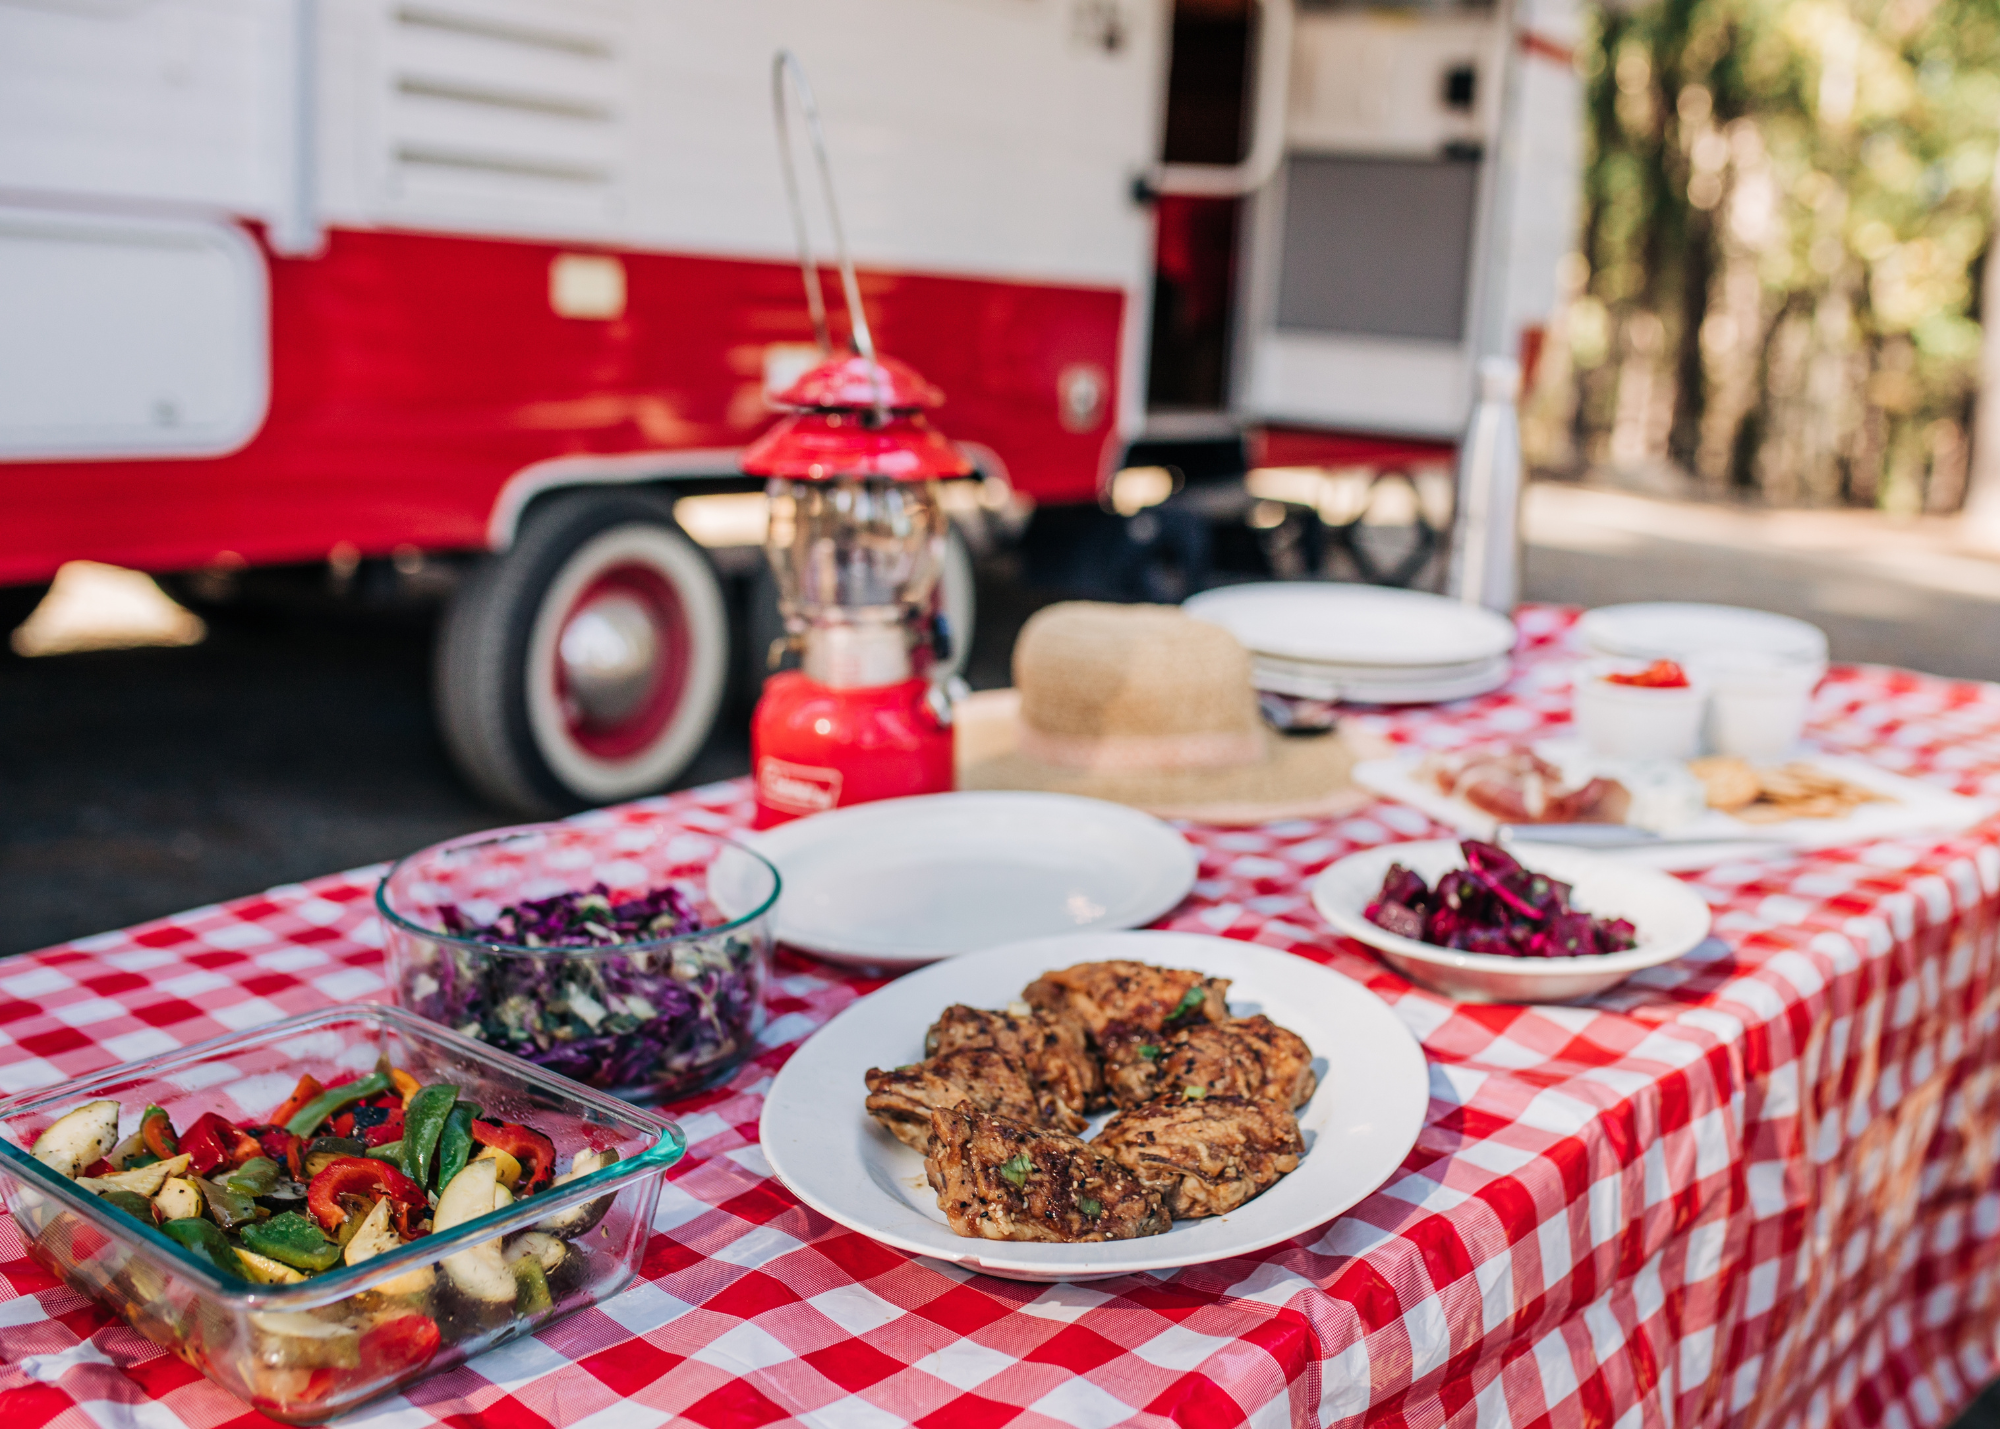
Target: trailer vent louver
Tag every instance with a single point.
(506, 113)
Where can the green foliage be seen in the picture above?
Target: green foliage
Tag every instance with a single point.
(1787, 204)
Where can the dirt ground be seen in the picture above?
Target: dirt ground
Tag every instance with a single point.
(135, 783)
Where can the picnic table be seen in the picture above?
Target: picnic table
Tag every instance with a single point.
(1752, 1187)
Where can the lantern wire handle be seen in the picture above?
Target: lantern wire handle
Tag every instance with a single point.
(786, 64)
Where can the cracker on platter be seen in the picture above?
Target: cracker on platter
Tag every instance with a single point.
(1772, 796)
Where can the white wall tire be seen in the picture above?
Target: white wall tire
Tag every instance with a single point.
(585, 665)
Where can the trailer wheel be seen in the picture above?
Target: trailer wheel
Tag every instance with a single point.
(586, 664)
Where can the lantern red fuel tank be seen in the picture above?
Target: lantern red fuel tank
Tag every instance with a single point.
(856, 538)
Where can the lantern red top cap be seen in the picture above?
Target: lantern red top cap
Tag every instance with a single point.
(839, 428)
(853, 382)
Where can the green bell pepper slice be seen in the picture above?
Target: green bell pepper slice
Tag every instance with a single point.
(455, 1143)
(531, 1287)
(130, 1202)
(292, 1240)
(208, 1244)
(389, 1151)
(256, 1177)
(329, 1103)
(424, 1117)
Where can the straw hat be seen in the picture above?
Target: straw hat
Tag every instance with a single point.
(1142, 705)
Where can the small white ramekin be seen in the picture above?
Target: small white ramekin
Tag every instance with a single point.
(1636, 721)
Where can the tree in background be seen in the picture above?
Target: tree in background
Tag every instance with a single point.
(1787, 204)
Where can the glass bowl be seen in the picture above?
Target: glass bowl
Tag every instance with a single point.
(645, 1020)
(305, 1352)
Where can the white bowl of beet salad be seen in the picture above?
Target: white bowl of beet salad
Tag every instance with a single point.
(594, 948)
(1484, 924)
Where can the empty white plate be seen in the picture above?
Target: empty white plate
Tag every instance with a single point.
(1331, 623)
(903, 882)
(1680, 630)
(1379, 685)
(1374, 1090)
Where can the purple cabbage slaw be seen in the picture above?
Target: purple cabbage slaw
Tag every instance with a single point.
(660, 1019)
(1494, 905)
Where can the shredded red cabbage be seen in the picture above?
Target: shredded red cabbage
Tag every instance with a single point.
(657, 1020)
(1493, 905)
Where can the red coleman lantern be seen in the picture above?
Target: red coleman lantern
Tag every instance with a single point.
(856, 536)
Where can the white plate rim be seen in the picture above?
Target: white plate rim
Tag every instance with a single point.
(1405, 1067)
(1560, 862)
(1807, 641)
(1501, 638)
(1174, 861)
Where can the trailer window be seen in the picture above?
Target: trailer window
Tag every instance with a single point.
(1377, 247)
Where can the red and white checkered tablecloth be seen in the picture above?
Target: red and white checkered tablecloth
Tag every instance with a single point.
(1754, 1187)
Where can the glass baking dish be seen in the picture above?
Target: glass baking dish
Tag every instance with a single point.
(295, 1351)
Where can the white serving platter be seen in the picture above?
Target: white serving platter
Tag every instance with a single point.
(903, 882)
(1669, 917)
(1715, 837)
(1374, 1091)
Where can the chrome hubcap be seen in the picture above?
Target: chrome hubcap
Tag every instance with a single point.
(610, 653)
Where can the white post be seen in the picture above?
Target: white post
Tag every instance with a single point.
(1980, 525)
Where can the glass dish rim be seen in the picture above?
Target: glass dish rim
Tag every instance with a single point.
(518, 950)
(348, 1280)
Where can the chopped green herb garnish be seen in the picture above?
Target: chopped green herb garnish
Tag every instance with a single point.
(1193, 1094)
(1015, 1171)
(1191, 999)
(1149, 1052)
(1090, 1207)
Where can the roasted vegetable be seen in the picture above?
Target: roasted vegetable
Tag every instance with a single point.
(323, 1151)
(76, 1139)
(375, 1237)
(140, 1180)
(307, 1118)
(207, 1243)
(298, 1339)
(130, 1202)
(178, 1198)
(534, 1151)
(479, 1272)
(358, 1176)
(576, 1220)
(455, 1142)
(291, 1238)
(265, 1271)
(423, 1124)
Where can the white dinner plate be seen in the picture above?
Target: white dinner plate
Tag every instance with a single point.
(1377, 686)
(1668, 917)
(1374, 1089)
(1334, 623)
(904, 882)
(1681, 630)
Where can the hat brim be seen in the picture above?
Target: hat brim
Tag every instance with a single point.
(1300, 776)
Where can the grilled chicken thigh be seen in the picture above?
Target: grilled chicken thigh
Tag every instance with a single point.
(1131, 1063)
(999, 1179)
(1053, 1049)
(1247, 1057)
(903, 1099)
(1205, 1156)
(1155, 999)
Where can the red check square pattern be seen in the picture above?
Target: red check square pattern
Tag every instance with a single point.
(1756, 1187)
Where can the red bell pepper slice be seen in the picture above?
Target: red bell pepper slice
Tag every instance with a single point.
(157, 1132)
(384, 1132)
(535, 1152)
(404, 1343)
(305, 1091)
(209, 1142)
(358, 1176)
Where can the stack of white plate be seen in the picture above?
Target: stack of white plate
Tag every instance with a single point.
(1362, 644)
(1682, 630)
